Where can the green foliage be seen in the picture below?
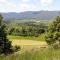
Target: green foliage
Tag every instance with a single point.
(53, 34)
(26, 29)
(5, 44)
(11, 30)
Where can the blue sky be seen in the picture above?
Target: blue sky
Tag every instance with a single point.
(28, 5)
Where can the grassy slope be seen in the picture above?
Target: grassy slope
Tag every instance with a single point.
(42, 54)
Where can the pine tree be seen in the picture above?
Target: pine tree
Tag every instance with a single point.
(5, 44)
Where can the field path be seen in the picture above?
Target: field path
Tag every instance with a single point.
(28, 44)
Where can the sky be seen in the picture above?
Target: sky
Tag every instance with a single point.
(29, 5)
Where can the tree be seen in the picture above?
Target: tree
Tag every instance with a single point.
(5, 44)
(53, 33)
(11, 31)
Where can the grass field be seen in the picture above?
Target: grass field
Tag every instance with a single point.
(34, 53)
(39, 38)
(42, 54)
(31, 52)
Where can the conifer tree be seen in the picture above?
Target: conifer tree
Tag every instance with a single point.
(5, 44)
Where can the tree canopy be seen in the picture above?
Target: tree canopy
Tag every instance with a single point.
(53, 33)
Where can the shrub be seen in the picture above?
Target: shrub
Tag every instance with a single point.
(16, 48)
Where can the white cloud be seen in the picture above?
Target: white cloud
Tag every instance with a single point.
(24, 5)
(2, 0)
(6, 3)
(6, 6)
(46, 2)
(25, 0)
(27, 7)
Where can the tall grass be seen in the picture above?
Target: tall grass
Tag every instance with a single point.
(42, 54)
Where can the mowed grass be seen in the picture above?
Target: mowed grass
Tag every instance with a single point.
(39, 38)
(42, 54)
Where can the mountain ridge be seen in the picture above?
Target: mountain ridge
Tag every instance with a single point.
(43, 15)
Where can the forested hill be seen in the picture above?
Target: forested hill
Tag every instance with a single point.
(43, 15)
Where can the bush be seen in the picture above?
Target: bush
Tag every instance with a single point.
(16, 48)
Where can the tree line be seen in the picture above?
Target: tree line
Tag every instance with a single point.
(26, 29)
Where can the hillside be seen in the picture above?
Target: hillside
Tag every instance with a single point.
(44, 15)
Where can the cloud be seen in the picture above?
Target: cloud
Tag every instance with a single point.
(25, 0)
(27, 7)
(24, 5)
(46, 2)
(6, 6)
(2, 0)
(6, 3)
